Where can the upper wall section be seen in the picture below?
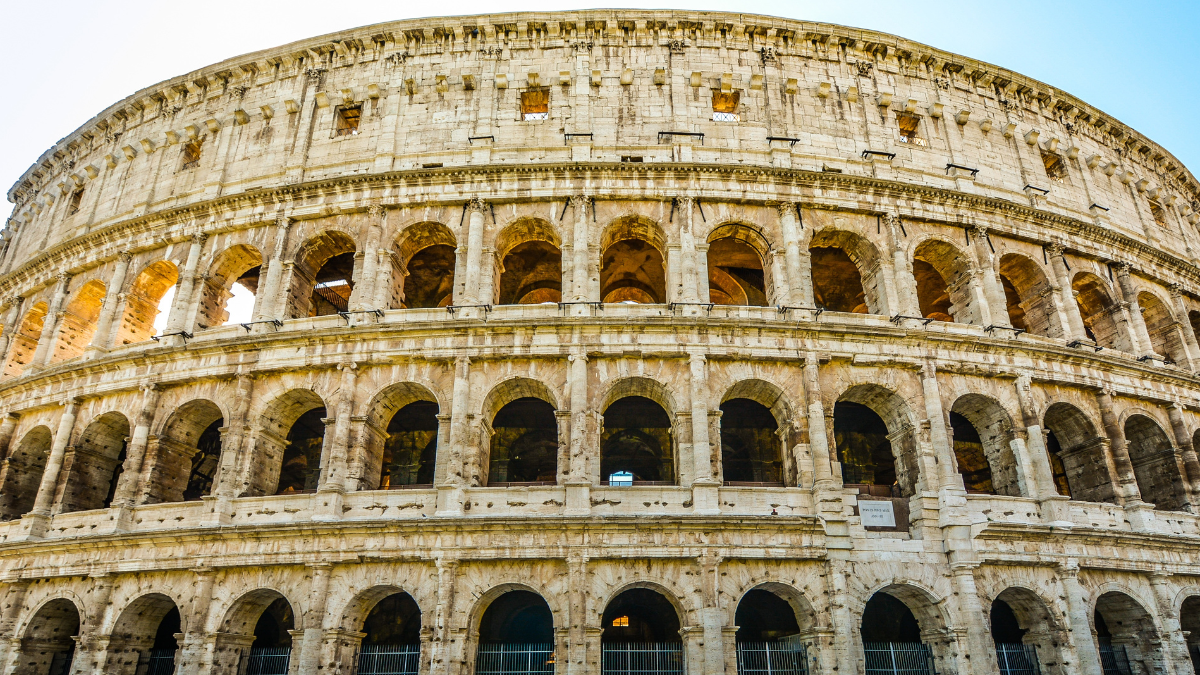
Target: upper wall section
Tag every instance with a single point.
(600, 86)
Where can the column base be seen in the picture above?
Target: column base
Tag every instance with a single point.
(1055, 511)
(218, 511)
(92, 352)
(327, 505)
(120, 518)
(449, 501)
(579, 498)
(33, 526)
(1141, 516)
(706, 497)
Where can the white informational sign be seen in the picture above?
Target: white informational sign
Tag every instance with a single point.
(877, 513)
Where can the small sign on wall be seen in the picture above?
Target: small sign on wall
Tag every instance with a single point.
(877, 513)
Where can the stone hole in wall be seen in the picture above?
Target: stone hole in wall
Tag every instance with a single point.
(524, 444)
(640, 616)
(636, 438)
(750, 444)
(77, 324)
(1097, 309)
(76, 201)
(301, 467)
(1159, 214)
(531, 274)
(48, 645)
(25, 467)
(184, 461)
(864, 449)
(149, 297)
(725, 105)
(25, 340)
(392, 634)
(333, 285)
(1062, 482)
(886, 619)
(1194, 321)
(631, 265)
(1154, 464)
(410, 451)
(1056, 169)
(762, 616)
(910, 126)
(735, 273)
(94, 465)
(190, 157)
(165, 643)
(517, 617)
(535, 104)
(837, 283)
(348, 119)
(982, 437)
(1073, 440)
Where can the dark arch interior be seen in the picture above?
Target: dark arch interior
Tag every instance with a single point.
(204, 462)
(517, 617)
(837, 283)
(524, 443)
(1062, 481)
(1189, 620)
(532, 274)
(735, 274)
(972, 460)
(750, 446)
(763, 616)
(271, 631)
(887, 619)
(632, 270)
(1005, 627)
(640, 615)
(410, 451)
(302, 458)
(1012, 298)
(168, 627)
(430, 280)
(933, 297)
(863, 446)
(394, 620)
(1154, 464)
(636, 438)
(50, 643)
(333, 285)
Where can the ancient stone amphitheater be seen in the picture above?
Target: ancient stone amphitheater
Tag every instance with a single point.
(606, 343)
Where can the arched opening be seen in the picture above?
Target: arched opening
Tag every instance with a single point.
(1077, 455)
(768, 636)
(272, 647)
(185, 456)
(426, 252)
(23, 470)
(516, 635)
(287, 445)
(1194, 323)
(48, 644)
(631, 267)
(1156, 464)
(410, 451)
(301, 468)
(863, 447)
(1028, 295)
(524, 444)
(891, 638)
(736, 274)
(391, 644)
(1103, 320)
(943, 283)
(77, 324)
(636, 444)
(982, 433)
(530, 264)
(324, 276)
(152, 292)
(25, 340)
(639, 632)
(230, 287)
(143, 639)
(1026, 634)
(845, 273)
(1126, 636)
(750, 445)
(92, 468)
(1189, 623)
(1165, 338)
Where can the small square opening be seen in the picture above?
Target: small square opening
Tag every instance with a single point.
(191, 154)
(348, 118)
(1159, 213)
(535, 104)
(1055, 168)
(76, 200)
(725, 105)
(909, 129)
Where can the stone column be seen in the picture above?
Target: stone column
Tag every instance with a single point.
(14, 604)
(1079, 618)
(1140, 337)
(450, 493)
(1073, 326)
(947, 476)
(906, 283)
(267, 303)
(92, 654)
(233, 442)
(818, 440)
(443, 613)
(704, 484)
(1175, 652)
(996, 308)
(702, 289)
(102, 336)
(8, 424)
(799, 282)
(474, 251)
(10, 326)
(577, 470)
(135, 452)
(62, 438)
(190, 656)
(712, 617)
(336, 472)
(1191, 348)
(45, 345)
(363, 294)
(980, 656)
(687, 250)
(1042, 485)
(177, 319)
(1191, 464)
(842, 659)
(310, 649)
(579, 249)
(1120, 448)
(577, 613)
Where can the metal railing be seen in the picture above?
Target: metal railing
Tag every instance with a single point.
(389, 659)
(1114, 660)
(268, 661)
(772, 658)
(898, 658)
(1017, 659)
(642, 658)
(162, 662)
(502, 658)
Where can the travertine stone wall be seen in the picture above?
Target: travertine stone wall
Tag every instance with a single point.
(1017, 259)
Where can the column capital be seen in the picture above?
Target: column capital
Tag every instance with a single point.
(580, 201)
(685, 202)
(1054, 249)
(1176, 290)
(1122, 268)
(199, 238)
(125, 257)
(375, 212)
(477, 204)
(64, 278)
(978, 229)
(581, 356)
(786, 208)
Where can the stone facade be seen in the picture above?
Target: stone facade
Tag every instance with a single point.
(498, 259)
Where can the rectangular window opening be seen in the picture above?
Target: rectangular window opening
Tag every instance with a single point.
(348, 118)
(191, 154)
(909, 125)
(725, 106)
(1160, 214)
(1056, 169)
(76, 200)
(631, 158)
(535, 104)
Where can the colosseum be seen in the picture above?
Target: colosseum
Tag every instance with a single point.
(601, 343)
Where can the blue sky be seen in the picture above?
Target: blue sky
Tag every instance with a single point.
(1137, 61)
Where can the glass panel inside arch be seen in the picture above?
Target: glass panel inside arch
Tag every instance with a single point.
(637, 439)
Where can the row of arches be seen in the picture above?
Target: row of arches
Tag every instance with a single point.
(901, 629)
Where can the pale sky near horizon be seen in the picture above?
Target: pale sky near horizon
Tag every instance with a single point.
(1135, 61)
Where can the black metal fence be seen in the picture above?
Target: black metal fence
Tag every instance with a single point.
(162, 662)
(898, 658)
(501, 658)
(641, 658)
(772, 658)
(268, 661)
(389, 659)
(1114, 660)
(1017, 659)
